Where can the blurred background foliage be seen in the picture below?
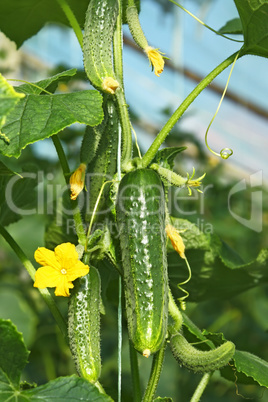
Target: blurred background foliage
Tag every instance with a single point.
(242, 318)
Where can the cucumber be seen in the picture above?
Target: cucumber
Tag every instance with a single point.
(197, 360)
(84, 325)
(103, 165)
(140, 212)
(100, 22)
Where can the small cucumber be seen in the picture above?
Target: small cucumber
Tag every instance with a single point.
(84, 325)
(103, 165)
(197, 360)
(100, 22)
(140, 212)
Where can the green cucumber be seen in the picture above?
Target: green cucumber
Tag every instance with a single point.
(140, 212)
(103, 166)
(197, 360)
(84, 325)
(100, 23)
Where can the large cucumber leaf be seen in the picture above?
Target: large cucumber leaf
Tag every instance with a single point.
(36, 117)
(254, 17)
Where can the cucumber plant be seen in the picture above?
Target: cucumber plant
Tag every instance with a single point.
(122, 228)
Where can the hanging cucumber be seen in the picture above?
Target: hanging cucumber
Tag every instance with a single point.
(97, 44)
(103, 166)
(140, 214)
(197, 360)
(84, 325)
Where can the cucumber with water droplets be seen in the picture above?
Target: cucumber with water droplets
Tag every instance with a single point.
(140, 212)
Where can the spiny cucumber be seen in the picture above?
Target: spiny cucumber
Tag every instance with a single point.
(140, 212)
(84, 325)
(100, 22)
(197, 360)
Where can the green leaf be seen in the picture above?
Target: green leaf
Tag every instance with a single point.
(8, 99)
(63, 388)
(70, 388)
(37, 117)
(49, 83)
(254, 16)
(13, 352)
(165, 157)
(18, 196)
(232, 27)
(217, 271)
(21, 19)
(248, 369)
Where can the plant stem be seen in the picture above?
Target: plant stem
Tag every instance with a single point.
(201, 387)
(119, 93)
(31, 271)
(72, 20)
(174, 312)
(136, 388)
(79, 226)
(119, 360)
(149, 155)
(154, 375)
(126, 128)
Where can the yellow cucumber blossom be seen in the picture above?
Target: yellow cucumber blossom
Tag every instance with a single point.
(156, 59)
(110, 85)
(176, 240)
(59, 268)
(77, 181)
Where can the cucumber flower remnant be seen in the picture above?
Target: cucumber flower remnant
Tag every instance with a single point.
(156, 59)
(176, 240)
(77, 181)
(59, 268)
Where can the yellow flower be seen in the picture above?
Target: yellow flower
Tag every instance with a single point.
(77, 181)
(110, 85)
(60, 268)
(156, 59)
(176, 240)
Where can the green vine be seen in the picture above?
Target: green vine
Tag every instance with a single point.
(151, 152)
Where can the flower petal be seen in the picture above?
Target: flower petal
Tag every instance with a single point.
(46, 257)
(47, 277)
(156, 59)
(176, 240)
(77, 181)
(66, 255)
(79, 269)
(63, 287)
